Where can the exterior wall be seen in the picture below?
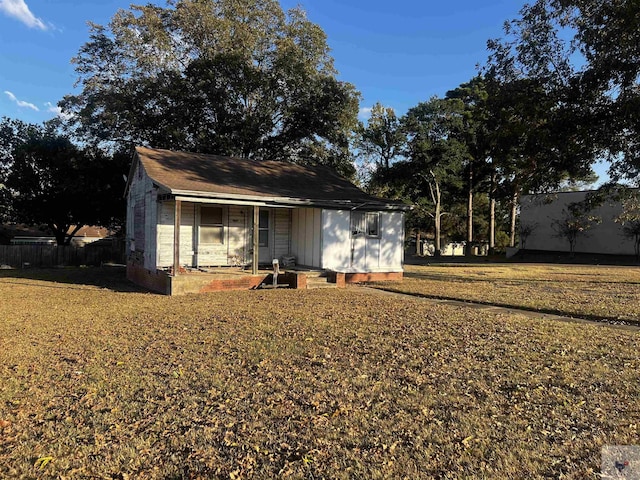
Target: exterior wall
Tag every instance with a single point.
(141, 216)
(306, 236)
(346, 253)
(165, 218)
(540, 211)
(232, 251)
(282, 232)
(336, 240)
(391, 241)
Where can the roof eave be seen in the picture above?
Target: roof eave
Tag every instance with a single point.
(187, 195)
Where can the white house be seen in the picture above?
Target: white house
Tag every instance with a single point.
(540, 214)
(189, 212)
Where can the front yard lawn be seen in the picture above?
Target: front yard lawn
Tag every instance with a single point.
(301, 384)
(583, 291)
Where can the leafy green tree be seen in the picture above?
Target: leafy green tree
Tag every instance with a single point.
(629, 219)
(53, 182)
(232, 77)
(472, 130)
(597, 95)
(13, 133)
(575, 222)
(382, 140)
(434, 158)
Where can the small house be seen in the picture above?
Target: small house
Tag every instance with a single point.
(194, 221)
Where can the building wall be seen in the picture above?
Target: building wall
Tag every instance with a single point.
(141, 215)
(282, 232)
(306, 236)
(233, 250)
(540, 212)
(346, 253)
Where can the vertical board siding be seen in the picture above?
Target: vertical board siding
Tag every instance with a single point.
(165, 235)
(336, 240)
(282, 232)
(391, 240)
(342, 252)
(317, 238)
(306, 236)
(236, 235)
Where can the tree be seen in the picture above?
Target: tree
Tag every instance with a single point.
(472, 131)
(629, 219)
(601, 93)
(435, 157)
(231, 77)
(574, 223)
(381, 141)
(53, 182)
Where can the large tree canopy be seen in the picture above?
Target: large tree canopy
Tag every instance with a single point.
(233, 77)
(50, 181)
(584, 56)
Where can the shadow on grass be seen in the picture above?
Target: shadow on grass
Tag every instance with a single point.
(526, 256)
(113, 278)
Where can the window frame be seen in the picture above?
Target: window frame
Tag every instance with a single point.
(210, 226)
(360, 224)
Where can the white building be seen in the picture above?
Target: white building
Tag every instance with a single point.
(189, 211)
(540, 215)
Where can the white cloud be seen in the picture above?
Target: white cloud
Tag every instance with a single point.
(58, 111)
(364, 113)
(19, 10)
(21, 103)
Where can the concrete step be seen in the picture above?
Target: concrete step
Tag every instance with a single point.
(319, 282)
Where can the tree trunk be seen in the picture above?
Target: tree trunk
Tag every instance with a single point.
(469, 249)
(492, 214)
(418, 248)
(436, 196)
(514, 215)
(437, 217)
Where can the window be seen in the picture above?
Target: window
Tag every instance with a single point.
(365, 223)
(263, 228)
(211, 228)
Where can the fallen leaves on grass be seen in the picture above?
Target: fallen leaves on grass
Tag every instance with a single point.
(602, 292)
(303, 384)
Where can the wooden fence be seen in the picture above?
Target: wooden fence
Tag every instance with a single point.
(43, 256)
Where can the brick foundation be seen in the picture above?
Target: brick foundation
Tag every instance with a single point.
(338, 278)
(158, 282)
(164, 283)
(373, 277)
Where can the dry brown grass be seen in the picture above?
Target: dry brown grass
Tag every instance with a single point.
(300, 384)
(585, 291)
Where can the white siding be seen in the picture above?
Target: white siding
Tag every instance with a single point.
(237, 235)
(232, 251)
(143, 194)
(391, 241)
(336, 240)
(164, 236)
(282, 230)
(342, 252)
(208, 255)
(306, 236)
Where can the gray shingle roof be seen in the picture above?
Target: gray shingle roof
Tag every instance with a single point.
(184, 173)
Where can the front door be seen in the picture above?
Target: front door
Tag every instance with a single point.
(265, 236)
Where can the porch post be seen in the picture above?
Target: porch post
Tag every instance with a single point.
(176, 237)
(256, 239)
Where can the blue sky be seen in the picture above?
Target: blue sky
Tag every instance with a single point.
(398, 53)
